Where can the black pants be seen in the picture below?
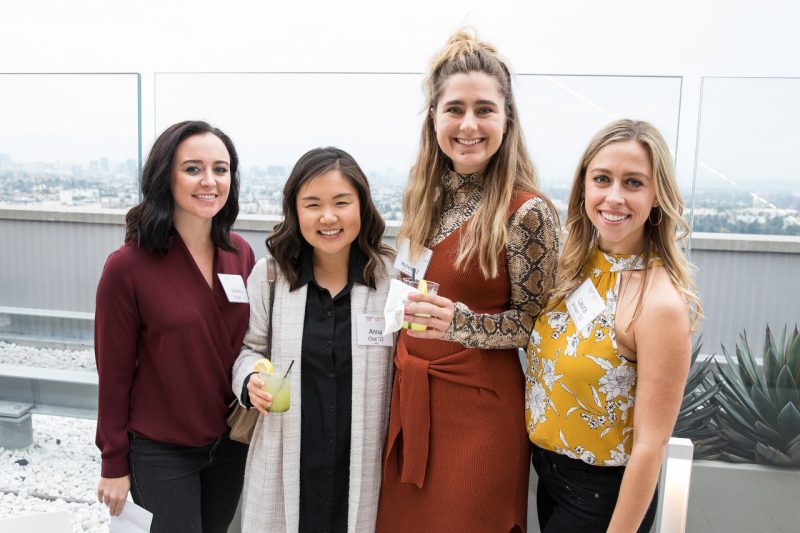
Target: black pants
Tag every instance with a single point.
(191, 490)
(575, 497)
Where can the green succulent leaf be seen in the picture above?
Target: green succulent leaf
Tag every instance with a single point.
(789, 422)
(696, 349)
(794, 448)
(733, 458)
(736, 404)
(786, 389)
(764, 407)
(693, 402)
(748, 369)
(768, 455)
(779, 347)
(732, 422)
(792, 355)
(766, 433)
(730, 380)
(746, 410)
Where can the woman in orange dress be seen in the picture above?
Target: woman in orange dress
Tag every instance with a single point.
(456, 453)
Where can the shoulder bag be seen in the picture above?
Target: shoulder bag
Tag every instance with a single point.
(242, 420)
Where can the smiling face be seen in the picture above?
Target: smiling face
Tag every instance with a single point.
(200, 179)
(470, 120)
(329, 214)
(619, 192)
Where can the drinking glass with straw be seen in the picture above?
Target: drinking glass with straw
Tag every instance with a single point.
(279, 385)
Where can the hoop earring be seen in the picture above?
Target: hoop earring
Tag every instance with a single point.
(660, 216)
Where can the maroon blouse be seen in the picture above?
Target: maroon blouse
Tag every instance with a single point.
(165, 343)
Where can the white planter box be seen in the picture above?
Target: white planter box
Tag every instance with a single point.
(733, 498)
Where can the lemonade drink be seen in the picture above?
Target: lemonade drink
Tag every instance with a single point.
(279, 388)
(424, 287)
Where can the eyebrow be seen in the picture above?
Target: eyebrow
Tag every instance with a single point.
(479, 102)
(601, 169)
(336, 197)
(199, 161)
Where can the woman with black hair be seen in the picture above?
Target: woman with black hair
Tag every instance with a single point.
(171, 314)
(317, 466)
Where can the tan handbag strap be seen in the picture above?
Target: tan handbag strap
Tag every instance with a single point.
(272, 272)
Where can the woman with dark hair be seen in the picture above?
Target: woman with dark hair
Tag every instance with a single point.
(171, 314)
(317, 467)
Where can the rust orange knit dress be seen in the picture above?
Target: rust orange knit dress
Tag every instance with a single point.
(457, 455)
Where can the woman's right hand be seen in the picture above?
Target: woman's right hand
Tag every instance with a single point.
(113, 491)
(261, 400)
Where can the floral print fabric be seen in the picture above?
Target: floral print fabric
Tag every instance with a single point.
(580, 391)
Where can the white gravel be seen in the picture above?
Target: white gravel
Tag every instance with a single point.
(60, 470)
(77, 360)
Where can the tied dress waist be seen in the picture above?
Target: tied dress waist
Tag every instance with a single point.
(464, 367)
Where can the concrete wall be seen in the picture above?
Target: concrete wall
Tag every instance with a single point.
(53, 259)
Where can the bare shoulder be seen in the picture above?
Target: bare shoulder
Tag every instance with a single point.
(664, 309)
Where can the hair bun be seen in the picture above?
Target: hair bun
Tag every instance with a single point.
(466, 41)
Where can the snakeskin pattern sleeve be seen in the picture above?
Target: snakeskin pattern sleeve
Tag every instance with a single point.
(532, 251)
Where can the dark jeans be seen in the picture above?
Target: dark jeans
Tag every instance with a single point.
(191, 490)
(575, 497)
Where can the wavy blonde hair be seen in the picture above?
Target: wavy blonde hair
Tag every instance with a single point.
(510, 169)
(660, 240)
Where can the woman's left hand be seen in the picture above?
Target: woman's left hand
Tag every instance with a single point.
(439, 309)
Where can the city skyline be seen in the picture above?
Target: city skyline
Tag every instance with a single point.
(108, 184)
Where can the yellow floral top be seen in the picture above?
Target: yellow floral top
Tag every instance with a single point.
(580, 391)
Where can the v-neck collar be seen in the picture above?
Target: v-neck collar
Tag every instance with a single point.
(214, 264)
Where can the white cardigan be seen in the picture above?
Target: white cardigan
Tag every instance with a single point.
(271, 495)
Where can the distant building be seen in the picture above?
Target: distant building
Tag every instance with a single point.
(276, 171)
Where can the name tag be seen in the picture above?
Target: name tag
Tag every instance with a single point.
(404, 264)
(233, 284)
(585, 304)
(370, 331)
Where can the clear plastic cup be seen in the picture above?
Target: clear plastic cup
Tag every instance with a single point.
(425, 287)
(279, 387)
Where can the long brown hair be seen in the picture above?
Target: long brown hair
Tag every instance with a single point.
(660, 240)
(286, 241)
(510, 168)
(150, 222)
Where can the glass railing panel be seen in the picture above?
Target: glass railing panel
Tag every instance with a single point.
(746, 245)
(559, 115)
(746, 209)
(69, 141)
(273, 118)
(69, 160)
(746, 172)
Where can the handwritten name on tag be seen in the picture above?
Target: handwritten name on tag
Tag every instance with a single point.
(585, 304)
(234, 287)
(370, 331)
(404, 264)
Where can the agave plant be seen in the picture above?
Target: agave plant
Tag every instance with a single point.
(696, 419)
(759, 405)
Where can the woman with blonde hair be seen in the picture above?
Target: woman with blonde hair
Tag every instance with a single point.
(456, 455)
(607, 360)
